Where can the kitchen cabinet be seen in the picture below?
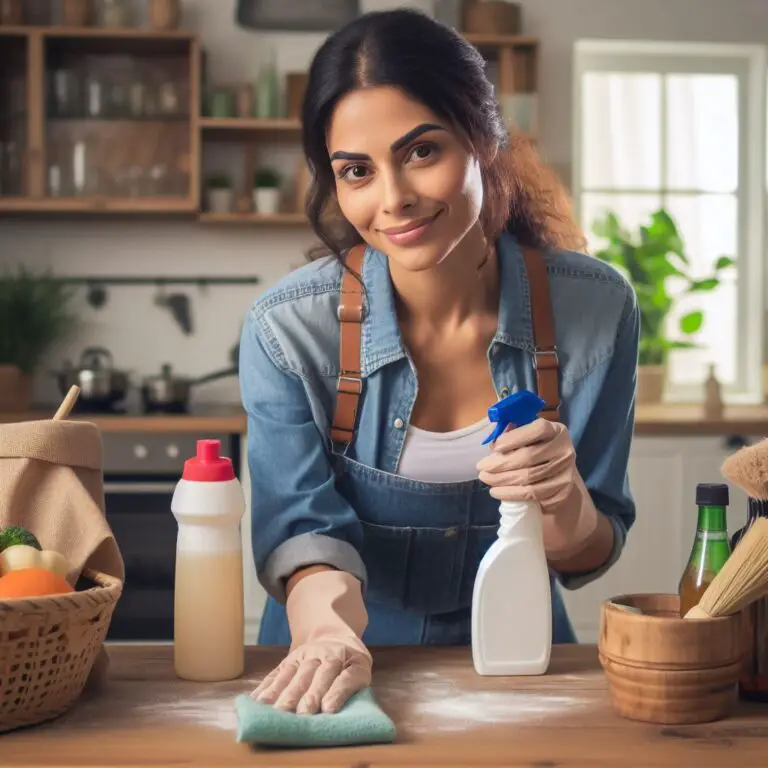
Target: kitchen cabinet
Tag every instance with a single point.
(98, 120)
(106, 120)
(14, 52)
(664, 472)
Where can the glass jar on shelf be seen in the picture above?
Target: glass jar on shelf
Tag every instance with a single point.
(64, 91)
(94, 97)
(11, 12)
(116, 13)
(137, 100)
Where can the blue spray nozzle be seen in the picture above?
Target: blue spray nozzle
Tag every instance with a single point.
(519, 408)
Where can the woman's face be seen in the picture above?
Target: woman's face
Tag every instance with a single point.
(404, 180)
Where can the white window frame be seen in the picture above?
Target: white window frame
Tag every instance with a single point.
(749, 64)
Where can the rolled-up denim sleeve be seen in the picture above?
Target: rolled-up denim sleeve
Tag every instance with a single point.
(602, 455)
(297, 516)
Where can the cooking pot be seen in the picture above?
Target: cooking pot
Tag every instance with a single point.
(101, 384)
(170, 393)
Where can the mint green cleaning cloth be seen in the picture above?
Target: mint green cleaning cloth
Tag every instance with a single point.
(359, 721)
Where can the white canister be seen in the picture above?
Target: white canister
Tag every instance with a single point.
(209, 622)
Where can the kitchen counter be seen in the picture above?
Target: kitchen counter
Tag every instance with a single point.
(203, 419)
(446, 716)
(688, 421)
(650, 420)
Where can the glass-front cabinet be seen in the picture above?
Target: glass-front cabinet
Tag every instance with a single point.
(13, 116)
(99, 119)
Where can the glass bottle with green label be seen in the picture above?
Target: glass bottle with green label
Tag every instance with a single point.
(711, 547)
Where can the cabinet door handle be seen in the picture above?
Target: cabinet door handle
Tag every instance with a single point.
(735, 442)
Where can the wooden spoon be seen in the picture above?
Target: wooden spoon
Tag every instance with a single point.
(67, 403)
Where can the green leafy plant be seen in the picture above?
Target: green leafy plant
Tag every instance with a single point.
(218, 181)
(35, 314)
(648, 258)
(266, 178)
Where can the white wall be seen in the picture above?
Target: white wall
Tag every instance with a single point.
(142, 336)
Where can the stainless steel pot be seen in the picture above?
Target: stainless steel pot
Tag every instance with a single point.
(170, 393)
(99, 381)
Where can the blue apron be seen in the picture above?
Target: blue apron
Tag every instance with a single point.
(422, 544)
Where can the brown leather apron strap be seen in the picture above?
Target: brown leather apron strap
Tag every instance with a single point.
(545, 361)
(349, 384)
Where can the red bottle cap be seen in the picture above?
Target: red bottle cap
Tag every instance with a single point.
(209, 466)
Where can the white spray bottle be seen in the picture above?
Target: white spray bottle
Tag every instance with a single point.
(512, 601)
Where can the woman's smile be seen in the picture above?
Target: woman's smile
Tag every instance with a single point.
(412, 232)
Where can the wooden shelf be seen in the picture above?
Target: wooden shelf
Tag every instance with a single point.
(244, 129)
(159, 205)
(135, 33)
(502, 41)
(278, 219)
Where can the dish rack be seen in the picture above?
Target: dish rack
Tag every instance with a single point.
(47, 648)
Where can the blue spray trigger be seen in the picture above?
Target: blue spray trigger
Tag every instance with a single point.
(519, 409)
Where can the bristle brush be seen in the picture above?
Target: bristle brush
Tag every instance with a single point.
(742, 580)
(747, 469)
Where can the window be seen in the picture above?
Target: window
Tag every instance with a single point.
(682, 127)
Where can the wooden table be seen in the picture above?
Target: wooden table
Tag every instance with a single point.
(446, 716)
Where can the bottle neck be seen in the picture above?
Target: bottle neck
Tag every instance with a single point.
(712, 519)
(756, 508)
(517, 513)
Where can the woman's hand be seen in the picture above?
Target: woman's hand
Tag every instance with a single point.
(537, 462)
(327, 662)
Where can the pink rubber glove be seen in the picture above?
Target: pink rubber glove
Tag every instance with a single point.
(327, 662)
(537, 462)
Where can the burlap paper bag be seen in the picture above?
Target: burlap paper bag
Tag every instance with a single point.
(51, 483)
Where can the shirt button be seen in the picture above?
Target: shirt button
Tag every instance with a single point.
(399, 423)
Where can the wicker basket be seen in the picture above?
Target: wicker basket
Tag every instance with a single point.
(47, 648)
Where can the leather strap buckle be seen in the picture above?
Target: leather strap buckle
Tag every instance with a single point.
(546, 359)
(350, 313)
(356, 382)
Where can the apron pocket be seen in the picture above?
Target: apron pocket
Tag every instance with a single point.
(426, 570)
(385, 554)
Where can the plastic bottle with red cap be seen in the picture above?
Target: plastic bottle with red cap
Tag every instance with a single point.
(209, 622)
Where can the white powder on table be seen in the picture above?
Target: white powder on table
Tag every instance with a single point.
(428, 702)
(432, 703)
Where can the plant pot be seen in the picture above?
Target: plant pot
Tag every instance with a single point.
(15, 389)
(266, 200)
(164, 14)
(220, 200)
(76, 13)
(651, 383)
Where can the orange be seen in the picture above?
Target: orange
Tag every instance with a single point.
(32, 582)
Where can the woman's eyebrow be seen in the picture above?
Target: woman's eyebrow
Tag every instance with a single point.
(414, 133)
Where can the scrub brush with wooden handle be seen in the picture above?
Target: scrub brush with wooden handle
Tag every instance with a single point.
(747, 469)
(742, 580)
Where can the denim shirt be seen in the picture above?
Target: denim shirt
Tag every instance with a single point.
(289, 360)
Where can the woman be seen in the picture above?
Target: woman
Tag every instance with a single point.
(373, 498)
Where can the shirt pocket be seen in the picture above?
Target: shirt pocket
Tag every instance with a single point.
(426, 570)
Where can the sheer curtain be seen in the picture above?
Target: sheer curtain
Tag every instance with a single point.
(651, 140)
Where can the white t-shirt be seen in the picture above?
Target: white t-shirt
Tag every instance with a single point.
(444, 457)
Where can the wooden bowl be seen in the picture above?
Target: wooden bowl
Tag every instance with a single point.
(664, 669)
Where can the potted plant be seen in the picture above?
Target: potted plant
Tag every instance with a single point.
(266, 191)
(219, 193)
(34, 315)
(648, 258)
